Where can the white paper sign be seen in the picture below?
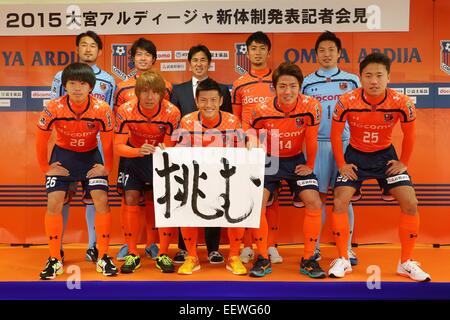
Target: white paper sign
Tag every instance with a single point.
(208, 187)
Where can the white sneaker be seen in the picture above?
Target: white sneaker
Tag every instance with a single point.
(247, 255)
(339, 267)
(412, 269)
(274, 256)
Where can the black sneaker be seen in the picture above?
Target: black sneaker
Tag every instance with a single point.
(106, 266)
(53, 268)
(92, 254)
(180, 256)
(261, 267)
(215, 257)
(165, 264)
(311, 268)
(132, 263)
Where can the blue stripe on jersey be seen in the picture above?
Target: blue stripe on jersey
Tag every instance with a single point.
(103, 90)
(326, 86)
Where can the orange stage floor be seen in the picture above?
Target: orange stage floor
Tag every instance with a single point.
(20, 267)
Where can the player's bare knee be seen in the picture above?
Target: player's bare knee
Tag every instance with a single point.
(409, 206)
(340, 204)
(313, 204)
(131, 199)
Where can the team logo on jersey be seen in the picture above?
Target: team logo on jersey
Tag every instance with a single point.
(48, 113)
(91, 125)
(299, 122)
(241, 62)
(343, 86)
(388, 117)
(108, 118)
(103, 86)
(410, 107)
(445, 56)
(122, 64)
(42, 121)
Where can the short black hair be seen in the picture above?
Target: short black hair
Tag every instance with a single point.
(78, 71)
(144, 44)
(328, 36)
(90, 34)
(287, 69)
(376, 57)
(199, 48)
(207, 85)
(259, 37)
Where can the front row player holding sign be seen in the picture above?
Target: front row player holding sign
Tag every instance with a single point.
(76, 117)
(372, 112)
(290, 119)
(141, 125)
(211, 127)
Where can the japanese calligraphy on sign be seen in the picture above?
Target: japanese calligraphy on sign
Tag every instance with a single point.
(211, 17)
(198, 187)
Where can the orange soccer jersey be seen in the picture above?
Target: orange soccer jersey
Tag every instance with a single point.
(76, 131)
(225, 131)
(286, 130)
(249, 90)
(370, 125)
(125, 91)
(131, 119)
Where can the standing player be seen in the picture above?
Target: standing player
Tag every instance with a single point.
(326, 85)
(77, 118)
(210, 127)
(141, 125)
(144, 54)
(249, 90)
(89, 48)
(183, 96)
(289, 121)
(372, 112)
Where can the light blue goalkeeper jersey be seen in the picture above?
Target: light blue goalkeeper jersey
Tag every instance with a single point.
(326, 86)
(103, 90)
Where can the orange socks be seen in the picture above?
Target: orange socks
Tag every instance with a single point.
(235, 236)
(150, 222)
(165, 235)
(103, 230)
(190, 236)
(260, 235)
(248, 238)
(53, 230)
(341, 232)
(130, 220)
(311, 231)
(273, 222)
(409, 227)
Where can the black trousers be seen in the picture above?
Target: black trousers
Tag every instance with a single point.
(212, 239)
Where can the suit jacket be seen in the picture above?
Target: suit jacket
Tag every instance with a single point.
(183, 98)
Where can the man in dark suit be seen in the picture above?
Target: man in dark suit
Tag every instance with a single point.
(183, 94)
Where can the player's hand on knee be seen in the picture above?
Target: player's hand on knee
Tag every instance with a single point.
(348, 171)
(98, 170)
(395, 167)
(303, 170)
(56, 169)
(147, 149)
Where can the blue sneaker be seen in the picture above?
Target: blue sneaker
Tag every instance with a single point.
(152, 251)
(123, 252)
(261, 267)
